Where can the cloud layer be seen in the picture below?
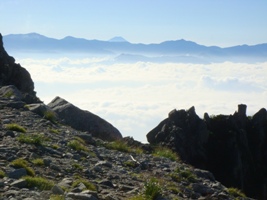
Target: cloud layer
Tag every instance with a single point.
(136, 97)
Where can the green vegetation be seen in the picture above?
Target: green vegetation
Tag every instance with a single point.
(236, 192)
(55, 146)
(152, 190)
(88, 184)
(16, 127)
(129, 163)
(166, 152)
(2, 174)
(118, 145)
(183, 174)
(57, 197)
(9, 94)
(52, 130)
(50, 115)
(77, 145)
(77, 166)
(38, 162)
(21, 163)
(36, 139)
(39, 182)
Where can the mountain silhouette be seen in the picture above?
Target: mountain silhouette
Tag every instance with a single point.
(175, 50)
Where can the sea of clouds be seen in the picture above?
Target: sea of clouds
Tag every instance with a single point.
(136, 97)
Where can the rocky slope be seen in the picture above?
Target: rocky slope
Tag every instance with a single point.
(50, 150)
(41, 158)
(232, 147)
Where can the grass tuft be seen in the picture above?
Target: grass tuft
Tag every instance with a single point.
(21, 163)
(16, 127)
(50, 115)
(39, 182)
(77, 145)
(119, 146)
(88, 184)
(36, 139)
(2, 174)
(166, 153)
(38, 162)
(236, 192)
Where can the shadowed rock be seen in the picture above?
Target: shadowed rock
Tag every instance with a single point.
(13, 74)
(84, 120)
(232, 147)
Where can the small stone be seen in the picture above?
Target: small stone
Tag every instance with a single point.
(57, 190)
(81, 196)
(19, 183)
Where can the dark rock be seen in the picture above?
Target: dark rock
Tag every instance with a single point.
(57, 190)
(84, 120)
(17, 173)
(184, 132)
(19, 183)
(13, 74)
(232, 147)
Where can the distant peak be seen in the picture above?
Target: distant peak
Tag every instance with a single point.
(117, 39)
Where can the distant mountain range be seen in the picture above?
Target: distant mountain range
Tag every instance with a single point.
(124, 51)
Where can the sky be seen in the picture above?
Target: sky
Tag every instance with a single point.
(208, 22)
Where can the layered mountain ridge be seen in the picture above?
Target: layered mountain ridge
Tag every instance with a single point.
(167, 50)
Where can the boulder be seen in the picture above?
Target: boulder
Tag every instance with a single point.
(13, 74)
(83, 120)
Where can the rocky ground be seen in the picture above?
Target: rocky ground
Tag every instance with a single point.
(43, 159)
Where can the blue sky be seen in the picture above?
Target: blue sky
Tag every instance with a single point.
(208, 22)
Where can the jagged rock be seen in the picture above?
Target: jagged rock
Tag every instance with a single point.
(17, 173)
(13, 74)
(185, 133)
(81, 196)
(84, 120)
(232, 147)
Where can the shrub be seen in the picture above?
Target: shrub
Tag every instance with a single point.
(55, 146)
(166, 152)
(236, 192)
(77, 145)
(21, 163)
(38, 162)
(36, 139)
(15, 127)
(39, 182)
(88, 184)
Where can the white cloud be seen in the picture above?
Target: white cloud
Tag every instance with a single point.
(136, 97)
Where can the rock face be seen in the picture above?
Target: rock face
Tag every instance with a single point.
(13, 74)
(232, 147)
(83, 120)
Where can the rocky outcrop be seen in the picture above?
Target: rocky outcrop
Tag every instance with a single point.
(83, 120)
(13, 74)
(93, 172)
(232, 147)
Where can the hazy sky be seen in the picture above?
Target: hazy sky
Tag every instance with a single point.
(208, 22)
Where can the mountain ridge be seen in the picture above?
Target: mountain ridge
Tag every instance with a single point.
(38, 42)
